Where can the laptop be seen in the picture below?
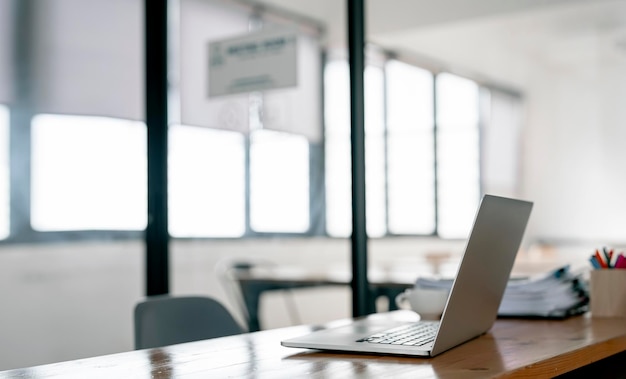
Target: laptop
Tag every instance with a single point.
(472, 304)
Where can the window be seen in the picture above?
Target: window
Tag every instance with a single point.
(4, 173)
(458, 154)
(206, 182)
(500, 136)
(68, 172)
(88, 173)
(271, 141)
(337, 135)
(422, 174)
(375, 151)
(279, 182)
(338, 182)
(106, 188)
(411, 150)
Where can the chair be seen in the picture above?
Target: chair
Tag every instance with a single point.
(166, 320)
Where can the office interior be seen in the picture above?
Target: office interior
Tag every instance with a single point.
(520, 99)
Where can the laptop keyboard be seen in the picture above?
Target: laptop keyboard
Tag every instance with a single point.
(418, 334)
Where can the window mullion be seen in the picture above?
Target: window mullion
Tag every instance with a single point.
(435, 152)
(248, 232)
(386, 148)
(21, 115)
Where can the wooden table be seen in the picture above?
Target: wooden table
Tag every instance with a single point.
(513, 348)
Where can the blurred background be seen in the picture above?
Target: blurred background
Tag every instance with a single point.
(519, 99)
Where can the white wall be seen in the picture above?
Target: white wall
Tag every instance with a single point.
(63, 301)
(574, 155)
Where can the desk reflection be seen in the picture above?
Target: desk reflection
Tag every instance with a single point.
(478, 358)
(160, 364)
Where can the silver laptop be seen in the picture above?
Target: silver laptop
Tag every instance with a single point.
(472, 304)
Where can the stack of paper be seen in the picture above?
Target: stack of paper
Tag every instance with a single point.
(559, 293)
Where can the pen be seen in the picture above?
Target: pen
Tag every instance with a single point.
(620, 262)
(607, 257)
(600, 260)
(594, 262)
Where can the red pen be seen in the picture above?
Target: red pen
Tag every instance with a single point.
(602, 262)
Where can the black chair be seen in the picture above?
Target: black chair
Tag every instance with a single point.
(167, 320)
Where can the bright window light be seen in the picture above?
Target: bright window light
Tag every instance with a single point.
(88, 173)
(206, 182)
(401, 172)
(338, 159)
(458, 154)
(337, 146)
(279, 182)
(375, 152)
(411, 149)
(4, 173)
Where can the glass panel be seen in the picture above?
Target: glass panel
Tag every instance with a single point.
(206, 182)
(88, 57)
(201, 22)
(501, 135)
(457, 103)
(298, 110)
(4, 173)
(88, 173)
(375, 151)
(410, 102)
(411, 182)
(338, 174)
(337, 134)
(458, 154)
(279, 182)
(411, 149)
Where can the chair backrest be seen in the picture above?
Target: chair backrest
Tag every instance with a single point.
(166, 320)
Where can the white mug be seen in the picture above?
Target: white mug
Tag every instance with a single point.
(428, 302)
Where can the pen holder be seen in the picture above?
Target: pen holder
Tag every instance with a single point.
(608, 293)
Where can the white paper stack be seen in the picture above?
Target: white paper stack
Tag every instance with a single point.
(555, 294)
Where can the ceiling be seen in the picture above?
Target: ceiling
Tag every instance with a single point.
(500, 41)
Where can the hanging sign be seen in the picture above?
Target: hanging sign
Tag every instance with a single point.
(254, 62)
